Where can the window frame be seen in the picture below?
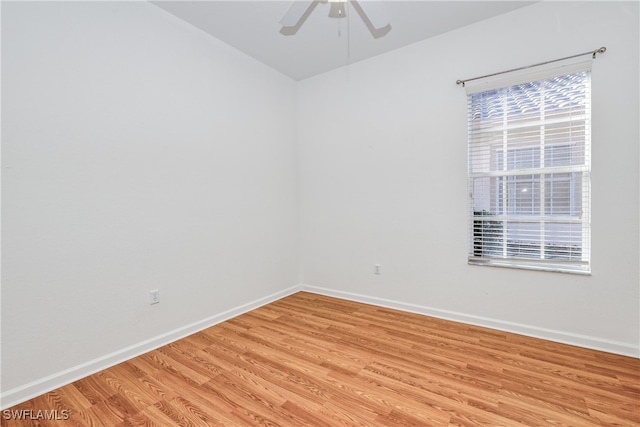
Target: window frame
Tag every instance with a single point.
(493, 247)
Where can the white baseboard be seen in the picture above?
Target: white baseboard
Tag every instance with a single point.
(59, 379)
(517, 328)
(43, 385)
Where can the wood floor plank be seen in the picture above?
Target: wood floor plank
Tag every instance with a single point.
(314, 360)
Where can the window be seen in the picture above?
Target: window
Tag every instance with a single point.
(529, 174)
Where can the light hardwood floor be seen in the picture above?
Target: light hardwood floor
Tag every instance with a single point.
(313, 360)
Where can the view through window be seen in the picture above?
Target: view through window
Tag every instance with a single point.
(529, 174)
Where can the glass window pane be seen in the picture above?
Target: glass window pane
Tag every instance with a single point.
(523, 195)
(528, 151)
(523, 240)
(563, 241)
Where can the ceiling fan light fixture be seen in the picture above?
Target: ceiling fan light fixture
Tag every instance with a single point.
(337, 10)
(372, 13)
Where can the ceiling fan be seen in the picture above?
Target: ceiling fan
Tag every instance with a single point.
(372, 13)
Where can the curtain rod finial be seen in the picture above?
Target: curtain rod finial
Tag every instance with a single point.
(601, 50)
(460, 82)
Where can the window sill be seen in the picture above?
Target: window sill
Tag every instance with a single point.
(539, 265)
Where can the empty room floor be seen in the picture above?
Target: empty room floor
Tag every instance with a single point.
(314, 360)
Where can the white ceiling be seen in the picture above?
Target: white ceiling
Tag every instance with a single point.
(322, 43)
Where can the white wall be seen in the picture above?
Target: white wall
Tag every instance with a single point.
(383, 176)
(138, 153)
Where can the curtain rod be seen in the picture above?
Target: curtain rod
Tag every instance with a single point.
(591, 52)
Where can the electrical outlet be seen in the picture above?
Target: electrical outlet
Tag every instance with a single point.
(376, 269)
(154, 296)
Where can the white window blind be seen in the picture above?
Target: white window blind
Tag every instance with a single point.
(529, 174)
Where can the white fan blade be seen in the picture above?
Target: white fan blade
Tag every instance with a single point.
(376, 11)
(295, 13)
